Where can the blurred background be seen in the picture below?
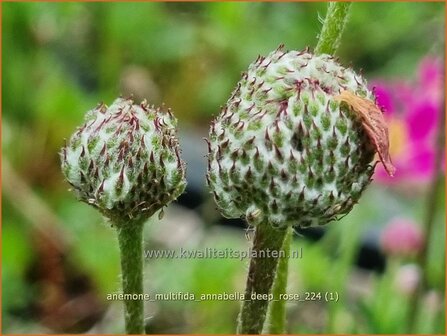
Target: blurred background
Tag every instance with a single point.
(386, 259)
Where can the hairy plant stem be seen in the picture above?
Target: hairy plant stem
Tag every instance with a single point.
(334, 23)
(130, 238)
(267, 243)
(276, 314)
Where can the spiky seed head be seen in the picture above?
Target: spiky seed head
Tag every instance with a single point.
(125, 160)
(283, 150)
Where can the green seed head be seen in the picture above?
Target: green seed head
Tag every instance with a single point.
(283, 150)
(125, 160)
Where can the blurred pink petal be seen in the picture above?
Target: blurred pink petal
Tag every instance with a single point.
(412, 118)
(383, 98)
(403, 94)
(382, 176)
(421, 163)
(422, 120)
(430, 72)
(401, 237)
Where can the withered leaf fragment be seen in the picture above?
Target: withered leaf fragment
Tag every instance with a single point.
(374, 124)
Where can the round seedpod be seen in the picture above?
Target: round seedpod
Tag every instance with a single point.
(284, 150)
(125, 160)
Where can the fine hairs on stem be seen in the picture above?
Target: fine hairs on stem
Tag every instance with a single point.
(333, 26)
(130, 239)
(276, 315)
(261, 275)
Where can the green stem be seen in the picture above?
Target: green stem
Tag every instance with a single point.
(130, 238)
(267, 244)
(431, 211)
(276, 315)
(334, 23)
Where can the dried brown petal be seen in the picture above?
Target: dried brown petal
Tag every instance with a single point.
(374, 124)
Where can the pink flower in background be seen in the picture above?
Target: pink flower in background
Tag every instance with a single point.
(401, 237)
(412, 111)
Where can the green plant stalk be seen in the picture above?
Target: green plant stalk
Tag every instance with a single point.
(422, 259)
(276, 314)
(267, 244)
(130, 238)
(334, 23)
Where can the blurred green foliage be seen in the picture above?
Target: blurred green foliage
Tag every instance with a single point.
(61, 59)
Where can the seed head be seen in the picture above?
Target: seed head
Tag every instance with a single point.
(125, 160)
(283, 150)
